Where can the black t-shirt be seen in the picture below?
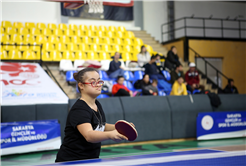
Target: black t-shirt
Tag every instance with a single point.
(75, 146)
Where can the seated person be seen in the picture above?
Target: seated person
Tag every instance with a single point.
(179, 87)
(119, 89)
(177, 73)
(230, 88)
(152, 70)
(147, 87)
(192, 78)
(158, 62)
(115, 68)
(172, 59)
(143, 57)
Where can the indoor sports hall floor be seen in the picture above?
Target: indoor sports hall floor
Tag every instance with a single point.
(223, 152)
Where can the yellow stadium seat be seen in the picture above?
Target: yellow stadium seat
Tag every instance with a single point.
(23, 31)
(149, 48)
(93, 27)
(134, 57)
(136, 49)
(83, 47)
(22, 46)
(112, 28)
(29, 55)
(116, 48)
(4, 55)
(70, 32)
(92, 56)
(76, 39)
(30, 25)
(93, 47)
(86, 39)
(91, 33)
(81, 33)
(28, 38)
(46, 56)
(41, 25)
(36, 49)
(68, 55)
(6, 24)
(100, 33)
(104, 56)
(35, 31)
(16, 38)
(5, 38)
(129, 34)
(14, 55)
(53, 39)
(52, 26)
(46, 31)
(128, 41)
(95, 40)
(9, 46)
(83, 27)
(10, 30)
(121, 28)
(138, 41)
(18, 25)
(65, 39)
(105, 40)
(56, 55)
(2, 30)
(61, 47)
(128, 48)
(41, 39)
(62, 26)
(104, 47)
(73, 47)
(117, 41)
(80, 55)
(58, 32)
(48, 46)
(120, 34)
(110, 34)
(73, 27)
(102, 28)
(126, 56)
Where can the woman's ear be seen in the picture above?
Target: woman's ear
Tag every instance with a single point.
(80, 86)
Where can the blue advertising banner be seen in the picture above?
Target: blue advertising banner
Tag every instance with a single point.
(29, 136)
(216, 125)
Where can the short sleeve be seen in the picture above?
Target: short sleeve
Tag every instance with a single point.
(78, 117)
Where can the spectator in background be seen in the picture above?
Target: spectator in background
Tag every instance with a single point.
(115, 68)
(158, 61)
(147, 87)
(172, 59)
(152, 70)
(179, 88)
(119, 89)
(143, 57)
(230, 88)
(192, 78)
(177, 73)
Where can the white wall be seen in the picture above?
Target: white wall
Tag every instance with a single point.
(206, 9)
(27, 11)
(154, 14)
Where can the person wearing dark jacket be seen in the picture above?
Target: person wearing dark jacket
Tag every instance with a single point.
(172, 59)
(230, 88)
(175, 74)
(147, 87)
(152, 70)
(115, 68)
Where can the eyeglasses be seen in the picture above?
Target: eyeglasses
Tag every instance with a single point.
(94, 83)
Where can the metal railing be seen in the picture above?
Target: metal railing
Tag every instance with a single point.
(206, 67)
(203, 26)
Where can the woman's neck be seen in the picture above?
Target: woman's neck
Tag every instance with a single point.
(89, 100)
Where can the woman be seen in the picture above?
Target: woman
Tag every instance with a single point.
(147, 87)
(86, 125)
(172, 59)
(143, 56)
(120, 89)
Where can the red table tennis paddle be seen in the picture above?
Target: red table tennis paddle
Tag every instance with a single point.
(125, 128)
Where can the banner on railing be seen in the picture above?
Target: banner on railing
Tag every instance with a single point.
(28, 83)
(30, 136)
(216, 125)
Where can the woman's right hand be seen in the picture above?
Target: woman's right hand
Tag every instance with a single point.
(115, 136)
(150, 91)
